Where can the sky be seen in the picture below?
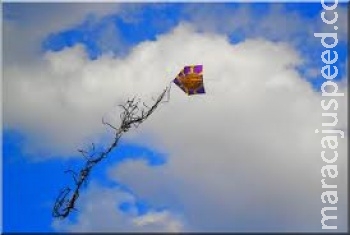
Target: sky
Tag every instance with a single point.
(244, 157)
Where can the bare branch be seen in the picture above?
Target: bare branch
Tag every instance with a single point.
(133, 115)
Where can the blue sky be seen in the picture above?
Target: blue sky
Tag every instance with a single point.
(26, 193)
(31, 180)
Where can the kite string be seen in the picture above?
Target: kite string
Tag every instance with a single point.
(167, 90)
(130, 117)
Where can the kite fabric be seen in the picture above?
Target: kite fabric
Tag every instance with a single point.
(190, 80)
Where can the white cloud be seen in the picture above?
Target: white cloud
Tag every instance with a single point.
(158, 221)
(100, 214)
(64, 99)
(243, 157)
(26, 25)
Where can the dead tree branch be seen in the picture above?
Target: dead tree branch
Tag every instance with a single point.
(133, 114)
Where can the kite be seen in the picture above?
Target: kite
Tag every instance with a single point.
(190, 79)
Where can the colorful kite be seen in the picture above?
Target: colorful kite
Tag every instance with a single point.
(190, 80)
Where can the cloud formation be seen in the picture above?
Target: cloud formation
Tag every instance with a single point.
(27, 24)
(100, 213)
(244, 157)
